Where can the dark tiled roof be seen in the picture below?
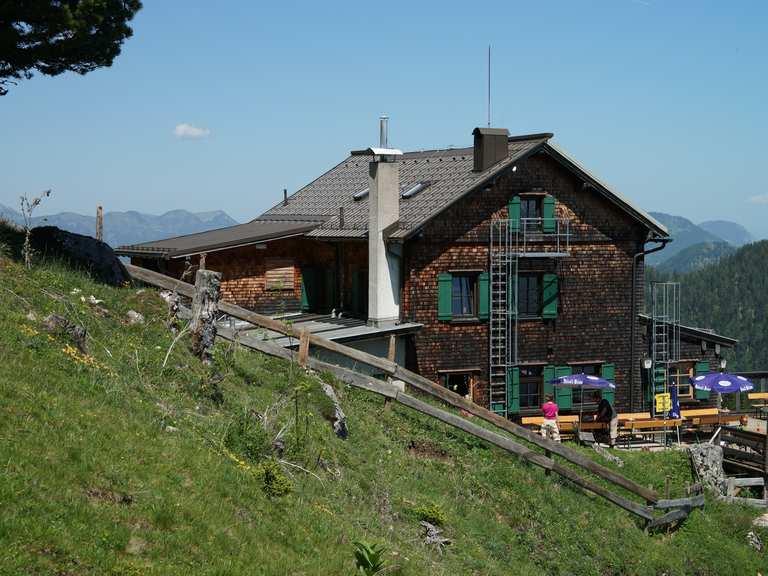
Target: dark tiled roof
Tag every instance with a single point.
(449, 173)
(242, 234)
(314, 209)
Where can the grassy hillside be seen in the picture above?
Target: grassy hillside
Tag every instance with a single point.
(117, 462)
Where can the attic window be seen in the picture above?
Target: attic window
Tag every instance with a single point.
(360, 195)
(411, 191)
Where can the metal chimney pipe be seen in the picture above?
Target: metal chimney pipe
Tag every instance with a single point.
(285, 196)
(383, 120)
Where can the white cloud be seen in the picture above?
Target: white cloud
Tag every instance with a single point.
(759, 199)
(187, 131)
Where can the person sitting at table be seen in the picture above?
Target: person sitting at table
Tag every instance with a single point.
(606, 413)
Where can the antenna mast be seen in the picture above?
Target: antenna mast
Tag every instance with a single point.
(489, 85)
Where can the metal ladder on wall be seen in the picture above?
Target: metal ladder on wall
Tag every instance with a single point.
(502, 338)
(665, 334)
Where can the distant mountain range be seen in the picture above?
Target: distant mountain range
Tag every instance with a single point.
(130, 227)
(696, 256)
(695, 246)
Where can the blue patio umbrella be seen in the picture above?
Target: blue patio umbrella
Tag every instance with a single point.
(582, 381)
(721, 383)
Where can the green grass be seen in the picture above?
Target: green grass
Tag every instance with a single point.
(93, 482)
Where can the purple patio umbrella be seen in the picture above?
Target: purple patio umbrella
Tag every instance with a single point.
(721, 383)
(582, 381)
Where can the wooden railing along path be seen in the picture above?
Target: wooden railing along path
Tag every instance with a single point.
(545, 461)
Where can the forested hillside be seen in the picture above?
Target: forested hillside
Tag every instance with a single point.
(730, 297)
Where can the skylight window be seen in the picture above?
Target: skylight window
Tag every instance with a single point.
(411, 191)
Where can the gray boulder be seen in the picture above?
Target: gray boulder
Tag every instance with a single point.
(83, 252)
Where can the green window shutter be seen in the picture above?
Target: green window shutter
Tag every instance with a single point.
(608, 371)
(444, 282)
(563, 394)
(512, 280)
(483, 298)
(701, 368)
(549, 374)
(548, 214)
(306, 287)
(550, 296)
(513, 390)
(514, 214)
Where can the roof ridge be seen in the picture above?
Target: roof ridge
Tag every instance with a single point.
(535, 136)
(515, 138)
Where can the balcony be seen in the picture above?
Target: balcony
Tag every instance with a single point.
(532, 237)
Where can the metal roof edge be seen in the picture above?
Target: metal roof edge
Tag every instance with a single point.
(535, 136)
(234, 244)
(699, 333)
(623, 202)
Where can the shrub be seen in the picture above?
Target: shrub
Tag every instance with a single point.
(247, 437)
(276, 483)
(431, 513)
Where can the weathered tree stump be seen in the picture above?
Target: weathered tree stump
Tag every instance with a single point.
(205, 306)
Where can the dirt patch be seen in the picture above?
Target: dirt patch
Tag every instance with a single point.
(103, 495)
(427, 449)
(135, 546)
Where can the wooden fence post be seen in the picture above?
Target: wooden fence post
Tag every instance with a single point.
(303, 347)
(99, 224)
(205, 306)
(391, 352)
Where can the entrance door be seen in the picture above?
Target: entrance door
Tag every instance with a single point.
(359, 301)
(318, 289)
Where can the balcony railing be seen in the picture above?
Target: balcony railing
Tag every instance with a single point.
(533, 235)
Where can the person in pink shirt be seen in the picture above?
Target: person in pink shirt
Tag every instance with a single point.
(549, 425)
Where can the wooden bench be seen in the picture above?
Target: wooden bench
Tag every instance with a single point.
(709, 416)
(630, 416)
(651, 427)
(688, 414)
(761, 406)
(564, 423)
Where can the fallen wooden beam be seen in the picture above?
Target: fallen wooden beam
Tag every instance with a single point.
(674, 516)
(755, 502)
(692, 502)
(415, 380)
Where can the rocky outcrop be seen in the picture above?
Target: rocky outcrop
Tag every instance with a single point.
(83, 252)
(707, 460)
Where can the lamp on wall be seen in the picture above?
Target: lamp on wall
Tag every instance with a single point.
(723, 364)
(647, 363)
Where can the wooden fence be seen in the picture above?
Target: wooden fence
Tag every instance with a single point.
(387, 366)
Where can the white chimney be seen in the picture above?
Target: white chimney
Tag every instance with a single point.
(383, 211)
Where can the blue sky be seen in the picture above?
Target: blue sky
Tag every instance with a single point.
(663, 100)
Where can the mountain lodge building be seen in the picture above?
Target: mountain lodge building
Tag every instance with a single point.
(498, 267)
